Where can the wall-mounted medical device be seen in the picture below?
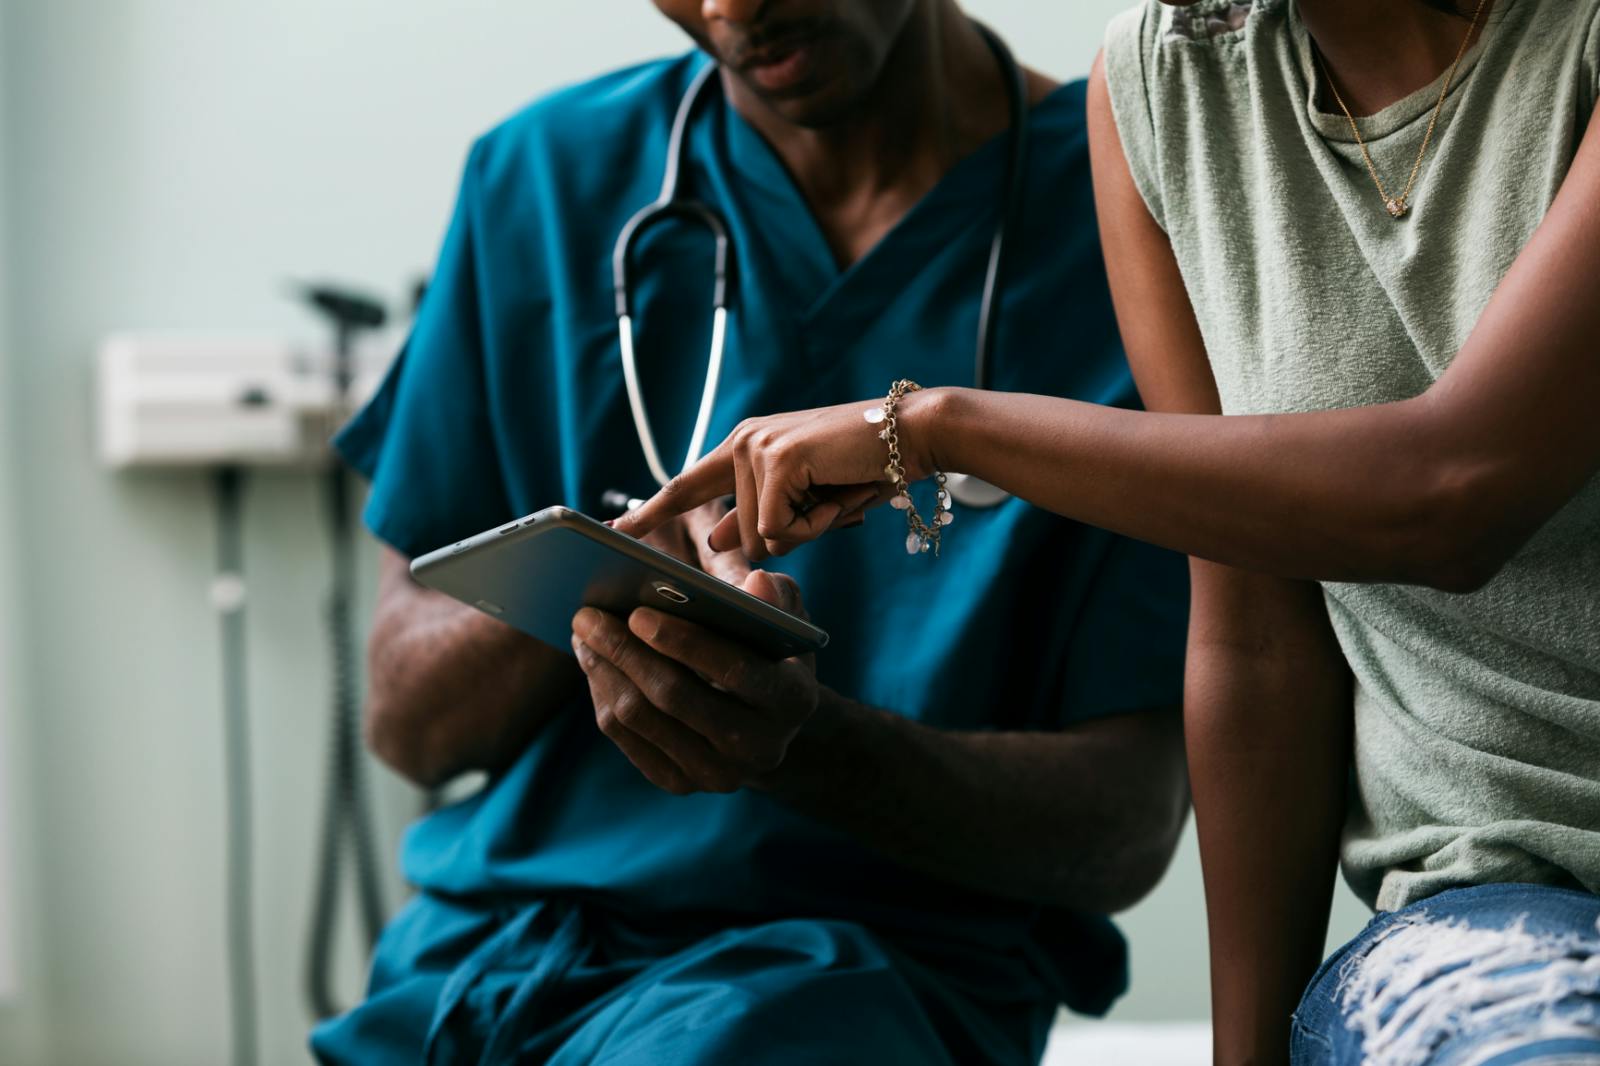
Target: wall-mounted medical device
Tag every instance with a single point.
(220, 403)
(197, 400)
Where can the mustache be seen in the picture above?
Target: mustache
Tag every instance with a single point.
(766, 43)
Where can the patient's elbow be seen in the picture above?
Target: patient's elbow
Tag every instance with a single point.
(1462, 571)
(1464, 527)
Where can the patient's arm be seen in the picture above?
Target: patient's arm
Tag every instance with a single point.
(452, 690)
(1267, 724)
(1441, 490)
(1267, 694)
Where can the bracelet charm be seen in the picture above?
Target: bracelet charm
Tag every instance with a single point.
(920, 536)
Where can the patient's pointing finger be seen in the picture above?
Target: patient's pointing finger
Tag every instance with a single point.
(701, 483)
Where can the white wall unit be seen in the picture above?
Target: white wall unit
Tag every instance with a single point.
(199, 401)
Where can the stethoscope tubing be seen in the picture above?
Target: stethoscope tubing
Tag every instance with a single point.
(708, 396)
(967, 490)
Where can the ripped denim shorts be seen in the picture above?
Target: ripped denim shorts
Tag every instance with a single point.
(1484, 976)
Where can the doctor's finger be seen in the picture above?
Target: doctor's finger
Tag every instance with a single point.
(701, 483)
(780, 590)
(672, 690)
(649, 760)
(783, 592)
(626, 713)
(759, 684)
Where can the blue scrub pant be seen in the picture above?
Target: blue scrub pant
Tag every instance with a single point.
(555, 983)
(1493, 975)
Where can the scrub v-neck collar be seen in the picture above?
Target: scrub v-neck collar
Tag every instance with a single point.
(831, 304)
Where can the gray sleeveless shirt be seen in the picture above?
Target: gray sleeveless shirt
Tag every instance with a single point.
(1477, 717)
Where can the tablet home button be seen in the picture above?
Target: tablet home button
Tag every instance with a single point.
(670, 592)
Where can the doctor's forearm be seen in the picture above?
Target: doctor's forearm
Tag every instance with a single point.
(1363, 494)
(452, 690)
(1085, 819)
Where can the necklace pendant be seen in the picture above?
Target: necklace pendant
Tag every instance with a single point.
(1397, 207)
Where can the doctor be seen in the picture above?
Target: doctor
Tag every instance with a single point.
(902, 852)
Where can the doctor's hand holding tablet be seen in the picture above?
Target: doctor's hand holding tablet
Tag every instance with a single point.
(692, 709)
(699, 667)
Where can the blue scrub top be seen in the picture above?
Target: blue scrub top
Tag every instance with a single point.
(509, 398)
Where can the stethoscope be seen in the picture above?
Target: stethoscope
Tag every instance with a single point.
(965, 489)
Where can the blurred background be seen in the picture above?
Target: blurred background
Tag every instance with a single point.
(166, 165)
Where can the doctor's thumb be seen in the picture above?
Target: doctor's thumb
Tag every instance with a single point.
(780, 590)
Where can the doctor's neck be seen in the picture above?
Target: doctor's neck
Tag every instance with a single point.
(868, 103)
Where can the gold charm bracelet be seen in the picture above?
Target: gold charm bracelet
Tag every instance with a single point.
(920, 535)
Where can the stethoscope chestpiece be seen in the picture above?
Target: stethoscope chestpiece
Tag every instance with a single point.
(974, 492)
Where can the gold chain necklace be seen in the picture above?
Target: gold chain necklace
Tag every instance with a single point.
(1398, 205)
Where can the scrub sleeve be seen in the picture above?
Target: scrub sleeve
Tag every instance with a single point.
(426, 441)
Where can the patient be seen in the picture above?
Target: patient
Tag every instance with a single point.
(903, 852)
(1380, 215)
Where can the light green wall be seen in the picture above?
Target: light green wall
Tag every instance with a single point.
(22, 1022)
(167, 164)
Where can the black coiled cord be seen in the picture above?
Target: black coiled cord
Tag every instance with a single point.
(346, 804)
(346, 808)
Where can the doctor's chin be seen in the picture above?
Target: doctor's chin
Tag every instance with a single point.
(777, 532)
